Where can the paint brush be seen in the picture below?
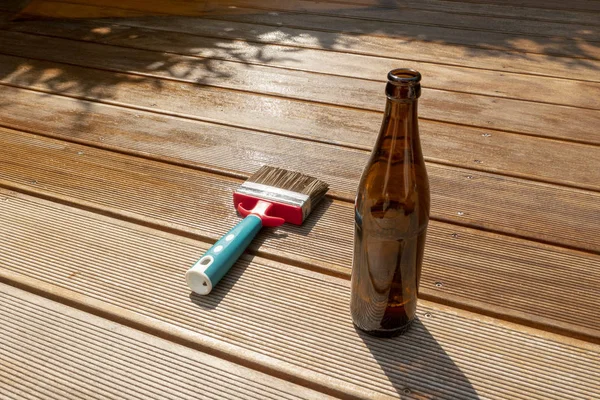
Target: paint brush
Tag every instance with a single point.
(270, 197)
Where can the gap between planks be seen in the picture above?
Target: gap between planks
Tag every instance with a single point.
(460, 7)
(573, 4)
(442, 85)
(467, 8)
(320, 307)
(531, 128)
(479, 245)
(286, 12)
(242, 168)
(438, 61)
(193, 10)
(333, 144)
(444, 88)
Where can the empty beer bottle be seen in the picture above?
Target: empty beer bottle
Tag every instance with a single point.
(391, 216)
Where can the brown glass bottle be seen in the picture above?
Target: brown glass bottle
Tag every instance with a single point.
(391, 216)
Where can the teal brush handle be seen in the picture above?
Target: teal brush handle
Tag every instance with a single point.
(214, 264)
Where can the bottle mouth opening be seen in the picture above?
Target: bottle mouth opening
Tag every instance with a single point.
(406, 76)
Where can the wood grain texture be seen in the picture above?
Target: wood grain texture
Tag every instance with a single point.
(527, 5)
(45, 9)
(574, 51)
(475, 267)
(579, 5)
(306, 332)
(448, 6)
(438, 51)
(407, 15)
(481, 9)
(457, 145)
(153, 143)
(388, 47)
(241, 152)
(410, 23)
(229, 63)
(53, 351)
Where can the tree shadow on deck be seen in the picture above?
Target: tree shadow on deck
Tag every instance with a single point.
(201, 48)
(146, 62)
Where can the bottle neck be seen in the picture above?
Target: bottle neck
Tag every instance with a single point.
(400, 129)
(401, 111)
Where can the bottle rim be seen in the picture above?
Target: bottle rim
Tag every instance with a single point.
(404, 76)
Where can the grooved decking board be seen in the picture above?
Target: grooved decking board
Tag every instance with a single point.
(456, 145)
(462, 108)
(407, 15)
(449, 6)
(409, 24)
(56, 9)
(289, 115)
(579, 5)
(529, 6)
(112, 233)
(136, 275)
(399, 50)
(577, 50)
(474, 267)
(242, 70)
(453, 7)
(493, 202)
(385, 47)
(52, 351)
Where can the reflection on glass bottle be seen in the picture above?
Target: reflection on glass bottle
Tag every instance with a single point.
(391, 214)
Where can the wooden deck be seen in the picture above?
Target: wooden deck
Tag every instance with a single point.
(123, 137)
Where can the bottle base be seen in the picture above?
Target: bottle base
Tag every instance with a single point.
(386, 333)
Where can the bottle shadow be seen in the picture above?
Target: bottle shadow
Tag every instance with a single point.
(418, 367)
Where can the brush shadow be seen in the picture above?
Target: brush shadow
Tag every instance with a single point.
(313, 219)
(284, 231)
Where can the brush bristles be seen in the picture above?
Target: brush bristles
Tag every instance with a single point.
(292, 181)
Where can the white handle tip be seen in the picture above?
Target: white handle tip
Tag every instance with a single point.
(198, 281)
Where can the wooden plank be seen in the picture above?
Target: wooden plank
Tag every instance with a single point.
(406, 15)
(142, 7)
(439, 53)
(304, 334)
(232, 68)
(448, 6)
(535, 5)
(12, 6)
(349, 21)
(241, 152)
(450, 144)
(37, 9)
(53, 351)
(249, 11)
(580, 5)
(477, 269)
(485, 9)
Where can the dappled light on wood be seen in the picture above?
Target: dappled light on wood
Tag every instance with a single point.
(125, 127)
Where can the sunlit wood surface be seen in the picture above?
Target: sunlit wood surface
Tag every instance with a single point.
(126, 125)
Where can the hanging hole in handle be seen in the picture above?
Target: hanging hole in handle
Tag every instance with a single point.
(206, 261)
